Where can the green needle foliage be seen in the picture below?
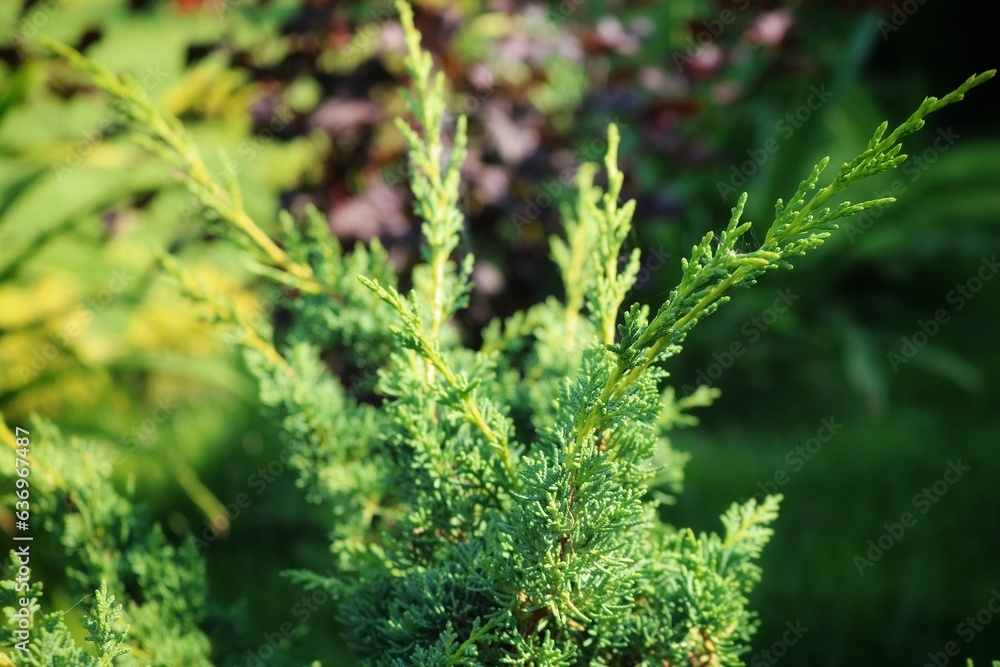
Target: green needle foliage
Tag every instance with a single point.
(144, 597)
(500, 506)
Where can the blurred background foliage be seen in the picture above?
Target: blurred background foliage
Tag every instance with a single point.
(295, 99)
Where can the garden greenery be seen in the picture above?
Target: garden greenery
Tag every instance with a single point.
(499, 506)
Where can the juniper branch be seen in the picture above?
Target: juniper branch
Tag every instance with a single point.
(709, 275)
(574, 256)
(223, 311)
(163, 134)
(435, 191)
(416, 338)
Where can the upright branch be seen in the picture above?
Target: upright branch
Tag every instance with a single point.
(574, 255)
(613, 223)
(438, 289)
(435, 184)
(716, 267)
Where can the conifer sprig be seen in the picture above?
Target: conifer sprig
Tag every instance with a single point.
(613, 223)
(163, 134)
(712, 272)
(103, 626)
(435, 181)
(798, 226)
(478, 411)
(438, 289)
(574, 255)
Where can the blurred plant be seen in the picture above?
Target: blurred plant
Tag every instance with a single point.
(86, 319)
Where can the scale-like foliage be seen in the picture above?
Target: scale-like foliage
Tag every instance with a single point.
(497, 506)
(112, 552)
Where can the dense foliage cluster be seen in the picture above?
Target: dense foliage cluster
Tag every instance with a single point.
(494, 506)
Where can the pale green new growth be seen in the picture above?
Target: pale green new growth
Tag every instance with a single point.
(164, 135)
(709, 273)
(500, 506)
(103, 627)
(435, 183)
(438, 291)
(612, 227)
